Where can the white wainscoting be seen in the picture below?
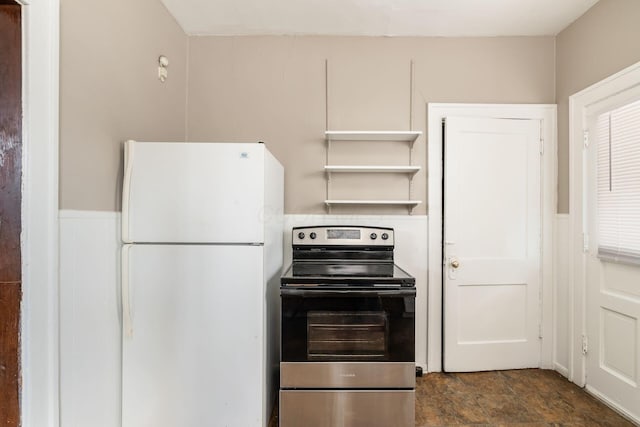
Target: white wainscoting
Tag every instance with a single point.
(90, 368)
(561, 296)
(410, 254)
(90, 329)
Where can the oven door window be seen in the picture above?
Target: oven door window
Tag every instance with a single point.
(347, 334)
(322, 328)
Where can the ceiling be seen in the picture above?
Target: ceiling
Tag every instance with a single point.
(447, 18)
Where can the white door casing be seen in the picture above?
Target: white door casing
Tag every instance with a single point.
(491, 244)
(546, 115)
(39, 352)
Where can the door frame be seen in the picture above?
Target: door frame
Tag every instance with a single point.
(625, 80)
(546, 113)
(39, 345)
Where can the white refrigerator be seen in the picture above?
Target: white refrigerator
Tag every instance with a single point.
(202, 226)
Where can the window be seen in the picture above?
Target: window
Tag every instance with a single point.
(618, 166)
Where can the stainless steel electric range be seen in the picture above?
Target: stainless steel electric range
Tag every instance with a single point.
(348, 331)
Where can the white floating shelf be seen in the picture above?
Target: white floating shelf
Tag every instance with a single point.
(372, 169)
(374, 202)
(358, 135)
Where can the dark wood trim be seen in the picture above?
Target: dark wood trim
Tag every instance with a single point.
(10, 142)
(10, 210)
(10, 297)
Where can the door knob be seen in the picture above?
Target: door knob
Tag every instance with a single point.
(455, 263)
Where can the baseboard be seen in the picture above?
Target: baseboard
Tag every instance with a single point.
(562, 370)
(614, 406)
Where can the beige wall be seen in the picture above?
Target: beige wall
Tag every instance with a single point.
(273, 89)
(602, 42)
(109, 92)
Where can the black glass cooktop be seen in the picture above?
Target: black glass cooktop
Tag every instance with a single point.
(343, 269)
(350, 273)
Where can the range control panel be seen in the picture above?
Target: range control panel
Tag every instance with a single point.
(343, 235)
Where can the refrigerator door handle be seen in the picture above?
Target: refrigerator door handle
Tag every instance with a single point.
(127, 320)
(126, 188)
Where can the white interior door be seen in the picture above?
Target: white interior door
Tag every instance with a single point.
(613, 288)
(492, 234)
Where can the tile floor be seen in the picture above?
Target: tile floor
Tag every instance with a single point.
(526, 398)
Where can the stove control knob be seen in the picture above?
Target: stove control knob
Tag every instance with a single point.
(301, 235)
(384, 236)
(312, 235)
(373, 236)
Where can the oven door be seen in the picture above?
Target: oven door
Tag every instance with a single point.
(346, 338)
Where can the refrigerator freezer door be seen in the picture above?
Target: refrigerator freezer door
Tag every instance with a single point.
(193, 355)
(193, 193)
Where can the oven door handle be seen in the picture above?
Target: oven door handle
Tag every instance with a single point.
(348, 292)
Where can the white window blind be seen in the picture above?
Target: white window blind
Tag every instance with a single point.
(618, 139)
